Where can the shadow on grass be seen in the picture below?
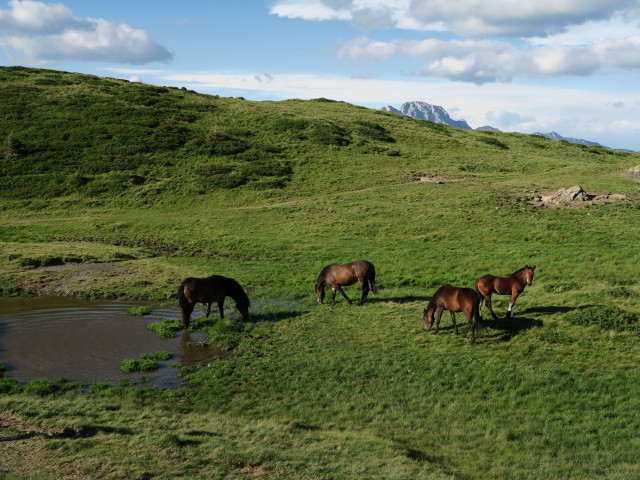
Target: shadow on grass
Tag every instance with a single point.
(275, 316)
(507, 328)
(551, 310)
(405, 299)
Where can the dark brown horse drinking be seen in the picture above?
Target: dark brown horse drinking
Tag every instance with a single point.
(512, 285)
(337, 276)
(209, 290)
(454, 299)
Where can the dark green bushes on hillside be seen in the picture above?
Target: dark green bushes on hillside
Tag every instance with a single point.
(605, 317)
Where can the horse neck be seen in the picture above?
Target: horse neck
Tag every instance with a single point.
(235, 291)
(521, 275)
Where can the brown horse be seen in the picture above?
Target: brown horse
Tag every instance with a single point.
(209, 290)
(512, 285)
(340, 275)
(454, 299)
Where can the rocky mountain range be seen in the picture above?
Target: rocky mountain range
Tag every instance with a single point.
(427, 111)
(437, 114)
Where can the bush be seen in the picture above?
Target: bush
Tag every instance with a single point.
(329, 134)
(375, 132)
(605, 317)
(9, 385)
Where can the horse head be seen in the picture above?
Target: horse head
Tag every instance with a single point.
(427, 318)
(528, 274)
(320, 291)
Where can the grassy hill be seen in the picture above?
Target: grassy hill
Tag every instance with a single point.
(161, 183)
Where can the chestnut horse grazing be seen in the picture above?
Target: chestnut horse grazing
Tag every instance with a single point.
(512, 285)
(454, 299)
(209, 290)
(340, 275)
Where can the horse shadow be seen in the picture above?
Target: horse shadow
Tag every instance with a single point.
(405, 299)
(554, 309)
(507, 328)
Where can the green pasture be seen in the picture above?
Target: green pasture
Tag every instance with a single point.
(112, 189)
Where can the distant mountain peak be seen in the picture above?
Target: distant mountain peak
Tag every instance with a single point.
(427, 111)
(557, 136)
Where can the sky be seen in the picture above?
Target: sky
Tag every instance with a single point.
(569, 66)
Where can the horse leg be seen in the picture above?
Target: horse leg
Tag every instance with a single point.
(439, 311)
(221, 308)
(471, 325)
(364, 286)
(512, 302)
(187, 309)
(453, 319)
(488, 302)
(339, 288)
(208, 309)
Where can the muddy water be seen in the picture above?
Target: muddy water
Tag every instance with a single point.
(86, 341)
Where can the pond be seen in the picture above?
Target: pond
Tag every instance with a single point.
(86, 341)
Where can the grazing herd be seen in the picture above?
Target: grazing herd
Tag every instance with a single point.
(454, 299)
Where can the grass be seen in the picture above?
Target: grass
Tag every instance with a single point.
(268, 193)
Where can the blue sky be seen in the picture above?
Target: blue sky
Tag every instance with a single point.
(570, 66)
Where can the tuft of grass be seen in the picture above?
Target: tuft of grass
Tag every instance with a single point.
(156, 356)
(142, 365)
(139, 311)
(166, 328)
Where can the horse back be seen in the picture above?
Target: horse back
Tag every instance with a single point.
(455, 299)
(488, 284)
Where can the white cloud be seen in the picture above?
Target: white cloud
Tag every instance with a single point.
(38, 33)
(549, 38)
(482, 61)
(464, 17)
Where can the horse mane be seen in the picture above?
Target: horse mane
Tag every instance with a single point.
(526, 267)
(323, 273)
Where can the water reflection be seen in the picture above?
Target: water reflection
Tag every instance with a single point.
(86, 341)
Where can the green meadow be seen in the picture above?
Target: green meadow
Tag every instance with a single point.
(113, 189)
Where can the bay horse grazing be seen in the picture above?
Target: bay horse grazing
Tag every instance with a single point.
(454, 299)
(337, 276)
(209, 290)
(512, 285)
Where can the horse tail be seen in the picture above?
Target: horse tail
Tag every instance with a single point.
(372, 280)
(185, 306)
(478, 325)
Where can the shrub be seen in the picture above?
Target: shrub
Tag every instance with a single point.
(494, 142)
(329, 134)
(375, 131)
(605, 317)
(9, 385)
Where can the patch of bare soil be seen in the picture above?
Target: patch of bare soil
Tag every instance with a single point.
(428, 178)
(633, 173)
(63, 280)
(573, 197)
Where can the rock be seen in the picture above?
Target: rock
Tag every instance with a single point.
(568, 195)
